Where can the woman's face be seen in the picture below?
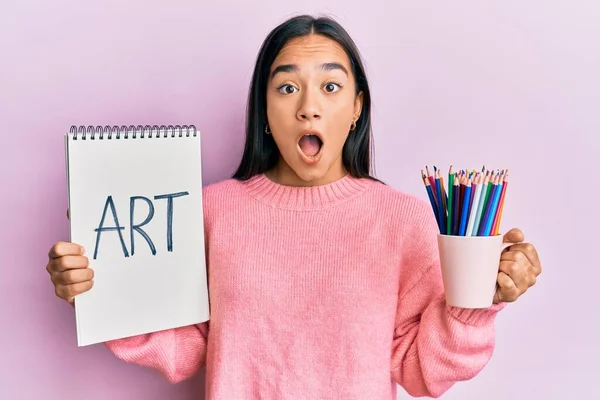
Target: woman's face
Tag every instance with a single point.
(311, 105)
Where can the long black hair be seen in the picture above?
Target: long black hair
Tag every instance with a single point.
(260, 150)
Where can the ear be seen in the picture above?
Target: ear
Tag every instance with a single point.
(358, 102)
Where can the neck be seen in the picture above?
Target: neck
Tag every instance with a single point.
(307, 197)
(284, 175)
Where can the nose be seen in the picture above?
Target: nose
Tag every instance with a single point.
(309, 108)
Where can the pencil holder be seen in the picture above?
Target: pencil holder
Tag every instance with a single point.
(470, 269)
(468, 217)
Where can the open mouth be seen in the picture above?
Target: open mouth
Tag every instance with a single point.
(310, 144)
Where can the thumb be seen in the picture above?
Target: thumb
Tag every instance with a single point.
(515, 235)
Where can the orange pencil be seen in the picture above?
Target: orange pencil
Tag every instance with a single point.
(498, 217)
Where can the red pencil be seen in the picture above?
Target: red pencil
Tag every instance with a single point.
(432, 183)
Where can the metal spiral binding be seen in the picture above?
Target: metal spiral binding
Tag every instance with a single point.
(125, 132)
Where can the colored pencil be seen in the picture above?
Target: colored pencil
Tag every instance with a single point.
(480, 204)
(445, 198)
(431, 199)
(441, 210)
(495, 214)
(450, 188)
(456, 211)
(488, 207)
(476, 196)
(463, 185)
(465, 208)
(473, 204)
(488, 189)
(494, 206)
(496, 224)
(472, 176)
(458, 203)
(444, 195)
(431, 181)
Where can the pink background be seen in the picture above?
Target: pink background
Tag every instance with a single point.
(509, 84)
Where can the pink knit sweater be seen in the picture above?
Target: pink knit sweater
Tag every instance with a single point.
(329, 292)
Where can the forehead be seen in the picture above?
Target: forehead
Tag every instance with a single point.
(311, 50)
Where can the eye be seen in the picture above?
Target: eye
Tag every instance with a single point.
(332, 87)
(286, 89)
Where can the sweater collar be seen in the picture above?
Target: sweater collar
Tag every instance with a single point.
(305, 197)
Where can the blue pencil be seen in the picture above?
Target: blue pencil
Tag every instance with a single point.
(465, 209)
(488, 208)
(441, 211)
(431, 199)
(495, 200)
(455, 205)
(479, 212)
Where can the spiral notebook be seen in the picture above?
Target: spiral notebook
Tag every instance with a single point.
(135, 204)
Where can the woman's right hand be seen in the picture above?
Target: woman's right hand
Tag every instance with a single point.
(69, 271)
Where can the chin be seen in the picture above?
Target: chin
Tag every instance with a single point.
(317, 173)
(310, 175)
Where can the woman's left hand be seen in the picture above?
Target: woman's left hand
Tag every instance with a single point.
(519, 268)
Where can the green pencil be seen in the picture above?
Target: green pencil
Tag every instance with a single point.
(450, 189)
(489, 188)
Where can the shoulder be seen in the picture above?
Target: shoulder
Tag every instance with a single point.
(415, 230)
(411, 215)
(220, 188)
(219, 194)
(409, 207)
(218, 197)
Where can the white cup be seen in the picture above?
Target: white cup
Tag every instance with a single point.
(470, 268)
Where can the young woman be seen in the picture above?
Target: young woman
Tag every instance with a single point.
(324, 282)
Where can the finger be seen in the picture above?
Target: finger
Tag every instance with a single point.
(515, 255)
(507, 290)
(68, 292)
(515, 235)
(529, 251)
(68, 262)
(60, 249)
(510, 268)
(518, 267)
(519, 274)
(72, 276)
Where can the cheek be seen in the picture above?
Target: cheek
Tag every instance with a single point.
(279, 110)
(281, 123)
(340, 118)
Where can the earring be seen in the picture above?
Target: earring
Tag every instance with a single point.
(353, 126)
(267, 129)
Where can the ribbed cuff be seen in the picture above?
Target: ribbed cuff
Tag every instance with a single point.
(476, 316)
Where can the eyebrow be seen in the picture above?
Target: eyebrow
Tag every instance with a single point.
(330, 66)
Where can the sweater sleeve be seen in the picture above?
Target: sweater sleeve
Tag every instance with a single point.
(435, 345)
(177, 354)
